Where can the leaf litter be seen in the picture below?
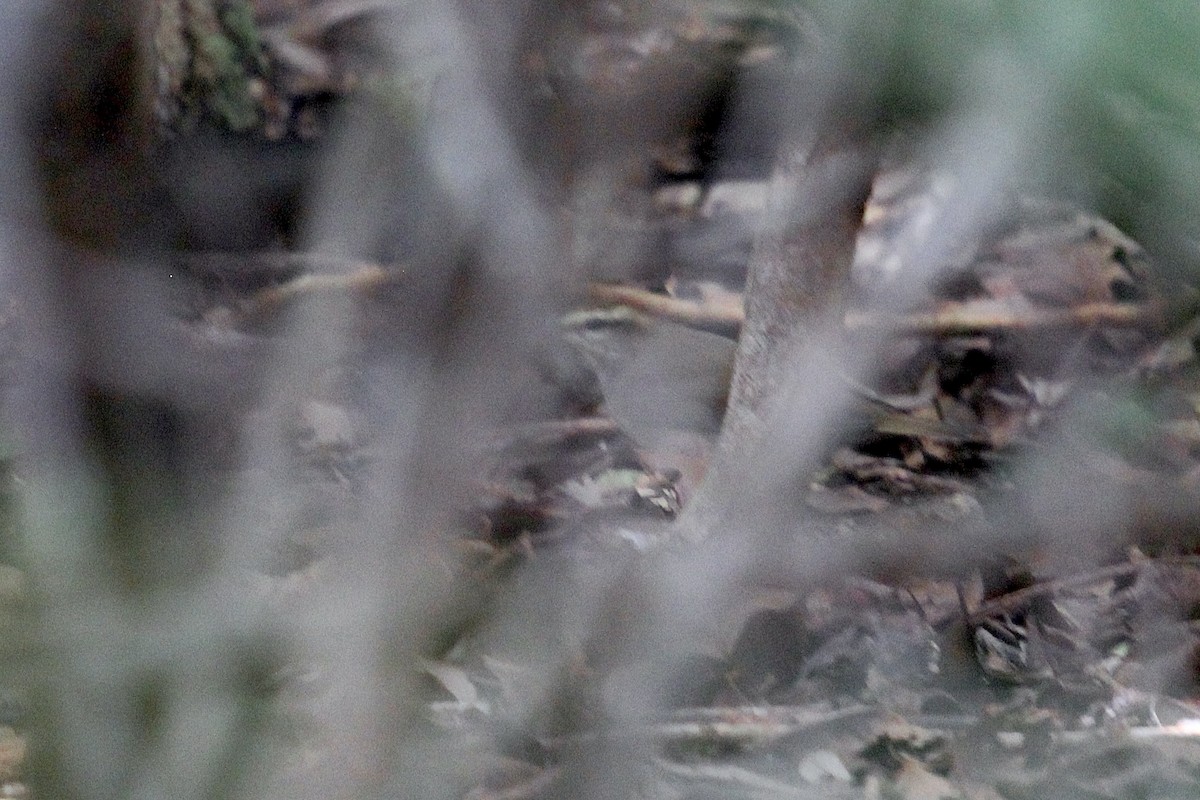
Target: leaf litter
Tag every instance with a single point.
(1004, 681)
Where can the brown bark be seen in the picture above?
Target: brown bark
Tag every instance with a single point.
(787, 373)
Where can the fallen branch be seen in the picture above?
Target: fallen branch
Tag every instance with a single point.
(711, 318)
(747, 725)
(985, 316)
(279, 265)
(1014, 601)
(363, 279)
(951, 319)
(552, 432)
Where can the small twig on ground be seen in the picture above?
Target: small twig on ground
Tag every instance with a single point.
(712, 318)
(950, 319)
(364, 278)
(1014, 601)
(1184, 729)
(988, 316)
(551, 432)
(747, 725)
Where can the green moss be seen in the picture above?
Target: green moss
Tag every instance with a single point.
(208, 54)
(237, 20)
(224, 82)
(228, 53)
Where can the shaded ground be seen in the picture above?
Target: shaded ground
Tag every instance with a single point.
(951, 604)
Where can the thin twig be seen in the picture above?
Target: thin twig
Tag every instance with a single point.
(551, 432)
(1184, 729)
(979, 316)
(363, 279)
(1021, 598)
(988, 316)
(721, 319)
(282, 264)
(745, 725)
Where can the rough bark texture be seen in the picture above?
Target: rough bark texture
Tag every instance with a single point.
(789, 355)
(801, 272)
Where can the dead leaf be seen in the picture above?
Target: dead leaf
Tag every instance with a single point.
(823, 765)
(454, 679)
(914, 782)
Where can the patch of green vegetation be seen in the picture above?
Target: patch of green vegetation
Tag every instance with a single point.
(237, 20)
(227, 53)
(208, 53)
(224, 84)
(1103, 99)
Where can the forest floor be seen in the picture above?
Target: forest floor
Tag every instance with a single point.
(987, 588)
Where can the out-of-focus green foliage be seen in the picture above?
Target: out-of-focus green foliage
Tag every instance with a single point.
(1104, 96)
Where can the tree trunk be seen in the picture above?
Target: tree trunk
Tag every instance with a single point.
(791, 363)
